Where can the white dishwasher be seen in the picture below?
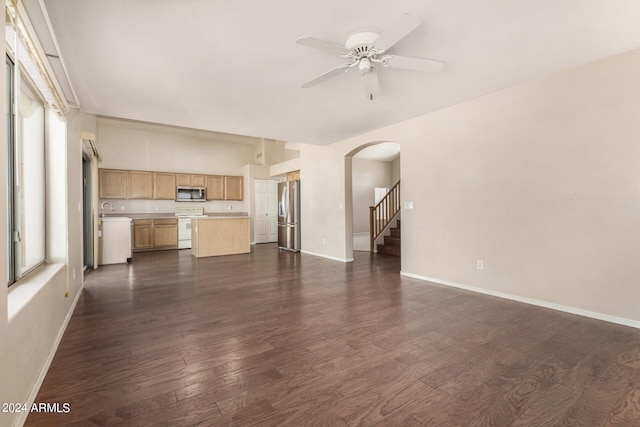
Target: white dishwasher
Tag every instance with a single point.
(115, 240)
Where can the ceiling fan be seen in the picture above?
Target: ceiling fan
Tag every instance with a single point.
(367, 49)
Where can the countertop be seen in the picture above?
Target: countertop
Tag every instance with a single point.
(172, 215)
(207, 218)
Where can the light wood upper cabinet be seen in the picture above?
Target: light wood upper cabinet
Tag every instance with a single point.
(198, 180)
(183, 179)
(293, 176)
(164, 186)
(140, 185)
(190, 180)
(113, 184)
(123, 184)
(215, 187)
(233, 188)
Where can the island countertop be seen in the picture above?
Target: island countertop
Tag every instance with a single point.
(215, 236)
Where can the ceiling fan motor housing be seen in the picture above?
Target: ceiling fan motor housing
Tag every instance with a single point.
(361, 50)
(361, 43)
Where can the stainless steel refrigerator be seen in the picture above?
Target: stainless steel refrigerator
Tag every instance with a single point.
(289, 215)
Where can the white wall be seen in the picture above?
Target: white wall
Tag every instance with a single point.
(541, 181)
(395, 170)
(132, 145)
(39, 306)
(366, 175)
(323, 201)
(142, 146)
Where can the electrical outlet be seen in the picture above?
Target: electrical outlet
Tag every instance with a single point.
(324, 240)
(480, 264)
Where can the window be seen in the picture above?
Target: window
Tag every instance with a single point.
(10, 139)
(26, 176)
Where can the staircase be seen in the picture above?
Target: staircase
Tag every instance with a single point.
(380, 216)
(391, 245)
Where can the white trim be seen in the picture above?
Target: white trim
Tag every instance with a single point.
(328, 256)
(47, 363)
(531, 301)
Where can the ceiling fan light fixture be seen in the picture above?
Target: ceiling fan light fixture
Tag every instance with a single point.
(364, 66)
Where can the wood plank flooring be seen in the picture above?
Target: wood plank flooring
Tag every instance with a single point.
(276, 338)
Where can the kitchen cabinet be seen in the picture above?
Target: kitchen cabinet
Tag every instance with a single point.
(164, 186)
(183, 179)
(142, 234)
(155, 233)
(233, 188)
(215, 187)
(139, 185)
(293, 176)
(190, 180)
(165, 233)
(113, 184)
(135, 184)
(197, 180)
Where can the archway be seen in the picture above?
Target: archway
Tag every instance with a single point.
(371, 166)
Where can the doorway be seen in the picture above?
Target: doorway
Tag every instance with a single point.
(266, 214)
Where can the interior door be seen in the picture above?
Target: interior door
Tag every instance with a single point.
(272, 210)
(266, 217)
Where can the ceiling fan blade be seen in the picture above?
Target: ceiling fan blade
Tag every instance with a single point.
(409, 63)
(370, 84)
(397, 32)
(328, 47)
(326, 76)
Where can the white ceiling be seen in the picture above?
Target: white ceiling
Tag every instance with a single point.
(234, 66)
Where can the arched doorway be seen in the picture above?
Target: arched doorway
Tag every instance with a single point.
(370, 169)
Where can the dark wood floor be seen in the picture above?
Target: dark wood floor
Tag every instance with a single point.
(276, 338)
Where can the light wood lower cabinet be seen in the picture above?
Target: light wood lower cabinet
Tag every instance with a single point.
(142, 234)
(156, 233)
(165, 233)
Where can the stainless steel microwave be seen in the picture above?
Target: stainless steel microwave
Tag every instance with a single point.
(191, 194)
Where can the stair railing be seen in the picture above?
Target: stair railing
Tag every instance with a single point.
(383, 213)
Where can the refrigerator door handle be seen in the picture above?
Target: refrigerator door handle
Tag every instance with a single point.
(282, 204)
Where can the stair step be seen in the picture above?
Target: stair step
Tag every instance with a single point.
(395, 232)
(391, 241)
(389, 250)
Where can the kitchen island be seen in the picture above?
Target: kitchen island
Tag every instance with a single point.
(214, 236)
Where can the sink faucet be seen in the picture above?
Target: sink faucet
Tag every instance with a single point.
(102, 208)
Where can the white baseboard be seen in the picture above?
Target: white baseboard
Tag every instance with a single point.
(328, 257)
(47, 363)
(531, 301)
